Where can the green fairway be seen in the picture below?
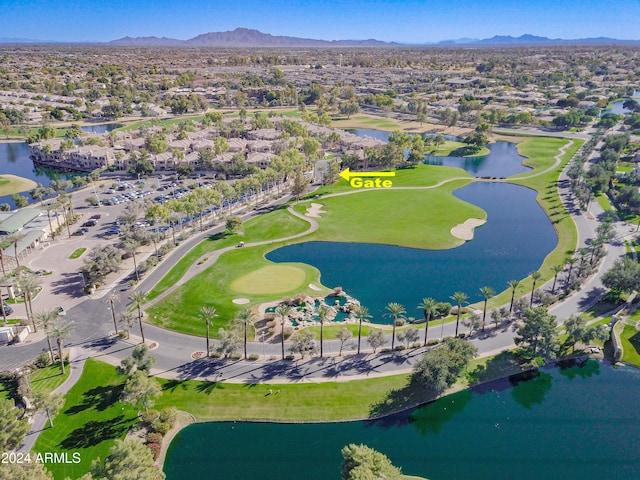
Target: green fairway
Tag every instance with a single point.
(408, 218)
(630, 339)
(270, 226)
(270, 279)
(10, 184)
(91, 420)
(179, 310)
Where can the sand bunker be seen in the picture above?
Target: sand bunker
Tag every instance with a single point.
(314, 210)
(240, 301)
(313, 286)
(464, 231)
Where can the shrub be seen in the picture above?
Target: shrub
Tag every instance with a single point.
(254, 356)
(161, 427)
(169, 415)
(155, 449)
(400, 347)
(433, 341)
(289, 357)
(154, 437)
(416, 345)
(150, 416)
(43, 360)
(400, 322)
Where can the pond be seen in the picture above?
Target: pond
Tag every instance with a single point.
(617, 108)
(15, 160)
(514, 242)
(502, 161)
(562, 423)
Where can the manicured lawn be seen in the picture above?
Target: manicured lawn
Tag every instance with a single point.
(366, 121)
(10, 184)
(630, 338)
(214, 287)
(456, 149)
(49, 378)
(417, 176)
(409, 218)
(77, 252)
(603, 201)
(270, 279)
(91, 420)
(273, 225)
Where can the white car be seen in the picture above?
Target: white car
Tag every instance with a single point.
(60, 311)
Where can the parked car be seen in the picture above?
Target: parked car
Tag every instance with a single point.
(60, 311)
(97, 216)
(7, 309)
(90, 223)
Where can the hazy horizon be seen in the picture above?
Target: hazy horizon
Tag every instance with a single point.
(410, 21)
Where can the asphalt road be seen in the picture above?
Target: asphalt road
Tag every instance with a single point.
(94, 337)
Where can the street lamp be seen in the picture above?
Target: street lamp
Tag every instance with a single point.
(263, 348)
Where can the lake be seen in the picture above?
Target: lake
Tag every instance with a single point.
(514, 242)
(570, 422)
(15, 159)
(502, 161)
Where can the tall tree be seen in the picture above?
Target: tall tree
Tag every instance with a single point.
(361, 462)
(282, 311)
(537, 334)
(343, 335)
(535, 276)
(439, 368)
(207, 314)
(46, 318)
(245, 318)
(428, 307)
(487, 293)
(29, 284)
(112, 299)
(396, 311)
(13, 427)
(138, 299)
(127, 459)
(556, 270)
(60, 328)
(323, 315)
(362, 313)
(459, 298)
(141, 390)
(578, 331)
(50, 404)
(14, 239)
(513, 285)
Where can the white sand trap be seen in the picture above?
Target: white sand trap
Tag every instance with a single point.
(313, 286)
(464, 231)
(240, 301)
(314, 210)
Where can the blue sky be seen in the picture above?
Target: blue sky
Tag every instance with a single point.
(410, 21)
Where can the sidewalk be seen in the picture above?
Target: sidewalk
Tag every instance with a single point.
(39, 421)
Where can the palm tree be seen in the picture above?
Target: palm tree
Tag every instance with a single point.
(131, 245)
(208, 314)
(3, 245)
(246, 318)
(428, 307)
(459, 298)
(513, 285)
(571, 262)
(323, 314)
(113, 298)
(283, 312)
(396, 311)
(536, 275)
(138, 299)
(60, 328)
(29, 284)
(45, 318)
(487, 293)
(362, 313)
(556, 270)
(13, 239)
(128, 320)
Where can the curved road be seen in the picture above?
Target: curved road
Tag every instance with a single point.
(93, 336)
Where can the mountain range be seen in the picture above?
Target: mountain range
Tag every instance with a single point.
(246, 37)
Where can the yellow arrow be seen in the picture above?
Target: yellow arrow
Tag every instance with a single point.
(347, 174)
